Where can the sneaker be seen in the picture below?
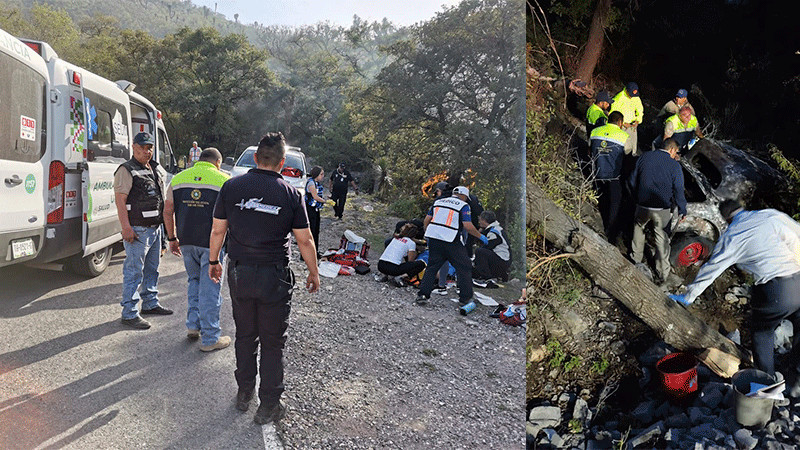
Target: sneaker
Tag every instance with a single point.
(137, 322)
(490, 284)
(478, 283)
(243, 398)
(158, 311)
(422, 299)
(192, 334)
(397, 282)
(381, 277)
(269, 413)
(440, 291)
(221, 343)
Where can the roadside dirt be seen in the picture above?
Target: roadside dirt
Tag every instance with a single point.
(367, 368)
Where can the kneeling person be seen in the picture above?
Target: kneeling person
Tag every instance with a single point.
(492, 260)
(402, 247)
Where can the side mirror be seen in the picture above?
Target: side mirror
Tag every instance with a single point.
(228, 161)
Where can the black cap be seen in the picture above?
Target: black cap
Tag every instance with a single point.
(604, 96)
(341, 165)
(633, 89)
(144, 138)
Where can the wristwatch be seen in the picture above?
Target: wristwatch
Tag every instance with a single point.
(213, 263)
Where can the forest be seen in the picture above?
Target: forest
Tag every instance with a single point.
(403, 106)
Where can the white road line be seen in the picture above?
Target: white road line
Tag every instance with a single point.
(271, 440)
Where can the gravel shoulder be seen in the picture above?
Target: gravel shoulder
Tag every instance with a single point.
(366, 368)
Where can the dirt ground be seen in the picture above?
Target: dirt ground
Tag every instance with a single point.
(367, 368)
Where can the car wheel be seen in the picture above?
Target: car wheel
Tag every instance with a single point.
(689, 249)
(92, 265)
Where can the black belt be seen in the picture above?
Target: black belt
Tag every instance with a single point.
(247, 263)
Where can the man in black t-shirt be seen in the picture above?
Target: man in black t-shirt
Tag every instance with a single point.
(258, 210)
(340, 178)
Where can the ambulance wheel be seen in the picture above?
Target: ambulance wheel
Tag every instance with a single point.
(689, 249)
(92, 265)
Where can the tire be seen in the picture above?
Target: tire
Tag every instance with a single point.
(92, 265)
(688, 249)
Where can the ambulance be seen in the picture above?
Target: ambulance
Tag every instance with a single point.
(63, 133)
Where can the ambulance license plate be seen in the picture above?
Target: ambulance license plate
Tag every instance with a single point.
(22, 247)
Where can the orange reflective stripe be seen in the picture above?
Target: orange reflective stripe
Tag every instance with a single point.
(450, 218)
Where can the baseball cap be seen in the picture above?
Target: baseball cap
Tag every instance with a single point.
(144, 138)
(633, 89)
(681, 93)
(604, 96)
(463, 190)
(440, 186)
(341, 165)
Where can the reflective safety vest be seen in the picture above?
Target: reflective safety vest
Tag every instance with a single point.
(194, 192)
(446, 222)
(630, 107)
(682, 133)
(313, 185)
(608, 148)
(594, 113)
(502, 249)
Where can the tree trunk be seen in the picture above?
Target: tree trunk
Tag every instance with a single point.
(612, 271)
(594, 45)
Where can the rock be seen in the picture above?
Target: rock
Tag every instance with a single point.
(740, 291)
(644, 412)
(704, 430)
(731, 298)
(673, 435)
(553, 437)
(703, 372)
(654, 353)
(564, 399)
(581, 411)
(646, 377)
(662, 411)
(744, 439)
(648, 435)
(729, 399)
(608, 326)
(711, 398)
(730, 442)
(735, 336)
(544, 417)
(678, 421)
(586, 394)
(617, 348)
(698, 414)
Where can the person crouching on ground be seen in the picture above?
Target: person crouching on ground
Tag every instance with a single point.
(493, 259)
(400, 255)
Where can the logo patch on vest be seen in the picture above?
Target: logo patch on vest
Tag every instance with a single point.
(196, 194)
(198, 178)
(256, 205)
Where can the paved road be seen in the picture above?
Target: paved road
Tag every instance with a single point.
(72, 376)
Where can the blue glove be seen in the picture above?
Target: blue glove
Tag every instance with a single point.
(680, 298)
(484, 240)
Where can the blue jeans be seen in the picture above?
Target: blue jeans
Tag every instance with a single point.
(141, 269)
(204, 297)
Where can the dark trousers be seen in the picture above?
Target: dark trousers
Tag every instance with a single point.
(456, 254)
(609, 197)
(340, 198)
(313, 223)
(774, 301)
(489, 265)
(409, 268)
(261, 296)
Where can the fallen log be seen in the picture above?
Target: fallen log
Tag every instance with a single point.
(614, 273)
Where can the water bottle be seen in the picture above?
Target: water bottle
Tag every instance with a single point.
(468, 308)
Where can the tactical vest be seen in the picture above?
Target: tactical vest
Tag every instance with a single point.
(310, 199)
(608, 148)
(502, 249)
(682, 133)
(446, 222)
(145, 202)
(194, 192)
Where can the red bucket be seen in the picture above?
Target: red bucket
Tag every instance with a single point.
(678, 374)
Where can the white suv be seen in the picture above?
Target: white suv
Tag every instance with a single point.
(294, 169)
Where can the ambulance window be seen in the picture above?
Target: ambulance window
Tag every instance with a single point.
(22, 122)
(164, 151)
(107, 130)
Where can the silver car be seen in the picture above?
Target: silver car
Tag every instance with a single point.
(294, 169)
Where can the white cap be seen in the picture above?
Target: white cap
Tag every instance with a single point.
(463, 190)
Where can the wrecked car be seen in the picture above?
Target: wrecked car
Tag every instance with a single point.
(714, 171)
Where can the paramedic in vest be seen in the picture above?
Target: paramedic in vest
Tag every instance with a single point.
(314, 201)
(493, 260)
(657, 184)
(766, 244)
(139, 186)
(340, 179)
(194, 153)
(673, 106)
(682, 127)
(258, 211)
(188, 212)
(445, 225)
(608, 144)
(630, 105)
(597, 114)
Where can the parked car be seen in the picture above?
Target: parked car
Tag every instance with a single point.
(294, 169)
(714, 171)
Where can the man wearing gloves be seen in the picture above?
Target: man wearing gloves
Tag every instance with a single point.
(765, 243)
(445, 226)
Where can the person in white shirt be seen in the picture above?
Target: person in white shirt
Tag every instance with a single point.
(194, 153)
(400, 255)
(765, 243)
